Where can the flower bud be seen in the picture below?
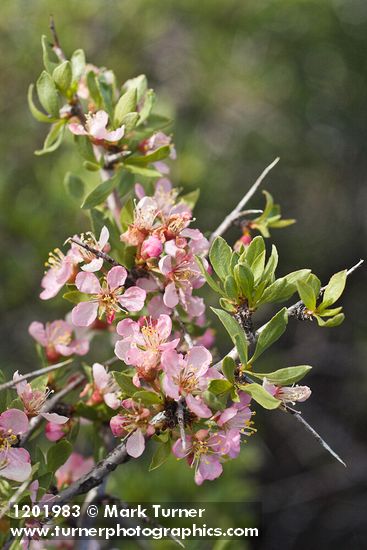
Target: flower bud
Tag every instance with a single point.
(151, 247)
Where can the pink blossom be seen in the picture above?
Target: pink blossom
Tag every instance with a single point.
(55, 432)
(205, 452)
(145, 214)
(151, 248)
(165, 198)
(107, 298)
(183, 275)
(34, 401)
(237, 417)
(96, 128)
(104, 388)
(15, 463)
(187, 377)
(288, 394)
(62, 270)
(92, 263)
(143, 344)
(132, 424)
(74, 468)
(207, 339)
(56, 338)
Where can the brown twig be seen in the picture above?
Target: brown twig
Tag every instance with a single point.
(97, 253)
(35, 373)
(227, 222)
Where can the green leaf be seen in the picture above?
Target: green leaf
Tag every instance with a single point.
(261, 396)
(159, 154)
(191, 198)
(100, 193)
(36, 113)
(283, 377)
(230, 288)
(219, 386)
(268, 275)
(147, 397)
(332, 322)
(78, 64)
(58, 454)
(141, 171)
(334, 289)
(47, 94)
(235, 331)
(74, 185)
(228, 368)
(255, 248)
(161, 455)
(209, 279)
(50, 60)
(245, 280)
(271, 332)
(125, 382)
(85, 148)
(53, 139)
(147, 106)
(257, 267)
(307, 295)
(130, 121)
(139, 83)
(62, 76)
(126, 104)
(74, 296)
(127, 214)
(220, 256)
(94, 89)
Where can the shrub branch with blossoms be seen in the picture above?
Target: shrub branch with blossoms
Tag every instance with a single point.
(134, 278)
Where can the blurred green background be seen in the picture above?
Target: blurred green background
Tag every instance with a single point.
(245, 82)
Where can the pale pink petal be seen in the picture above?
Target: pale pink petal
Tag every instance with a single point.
(127, 327)
(172, 344)
(50, 285)
(178, 449)
(21, 386)
(116, 277)
(169, 387)
(133, 299)
(171, 362)
(149, 284)
(17, 464)
(94, 265)
(100, 376)
(156, 307)
(200, 358)
(112, 400)
(165, 265)
(170, 297)
(37, 331)
(271, 388)
(139, 191)
(65, 271)
(55, 418)
(84, 314)
(117, 424)
(79, 346)
(87, 283)
(103, 237)
(164, 327)
(15, 420)
(97, 125)
(77, 129)
(122, 347)
(209, 468)
(135, 444)
(115, 135)
(198, 407)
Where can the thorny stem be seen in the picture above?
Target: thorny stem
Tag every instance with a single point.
(97, 253)
(35, 373)
(227, 222)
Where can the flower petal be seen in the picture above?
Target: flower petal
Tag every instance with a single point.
(37, 331)
(15, 420)
(18, 464)
(87, 283)
(198, 407)
(94, 265)
(133, 299)
(84, 314)
(170, 297)
(103, 237)
(116, 277)
(55, 418)
(135, 444)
